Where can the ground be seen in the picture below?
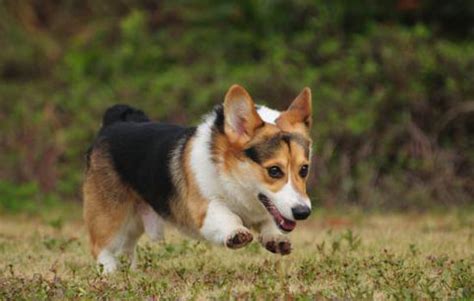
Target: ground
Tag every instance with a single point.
(351, 255)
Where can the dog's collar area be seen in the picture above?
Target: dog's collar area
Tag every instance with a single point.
(282, 222)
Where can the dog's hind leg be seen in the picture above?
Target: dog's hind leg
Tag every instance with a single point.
(110, 214)
(114, 229)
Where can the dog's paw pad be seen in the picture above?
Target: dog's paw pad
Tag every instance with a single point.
(239, 239)
(282, 247)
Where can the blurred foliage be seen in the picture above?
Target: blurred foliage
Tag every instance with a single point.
(392, 81)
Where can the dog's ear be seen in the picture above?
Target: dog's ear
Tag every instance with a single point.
(297, 118)
(240, 116)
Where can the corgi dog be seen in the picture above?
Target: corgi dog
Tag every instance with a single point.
(244, 167)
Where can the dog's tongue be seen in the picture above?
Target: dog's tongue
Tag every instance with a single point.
(287, 225)
(283, 222)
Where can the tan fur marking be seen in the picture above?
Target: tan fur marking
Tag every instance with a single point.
(189, 208)
(280, 159)
(298, 159)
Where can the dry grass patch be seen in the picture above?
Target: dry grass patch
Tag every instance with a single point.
(355, 255)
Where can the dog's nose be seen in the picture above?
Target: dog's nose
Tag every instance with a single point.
(301, 212)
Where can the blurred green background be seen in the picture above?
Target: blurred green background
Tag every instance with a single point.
(392, 82)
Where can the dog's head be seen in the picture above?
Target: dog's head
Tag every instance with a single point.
(269, 159)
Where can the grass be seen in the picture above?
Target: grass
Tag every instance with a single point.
(342, 256)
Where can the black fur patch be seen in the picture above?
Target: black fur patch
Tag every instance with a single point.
(301, 140)
(264, 150)
(219, 121)
(141, 153)
(253, 155)
(217, 129)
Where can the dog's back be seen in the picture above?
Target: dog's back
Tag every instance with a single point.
(141, 152)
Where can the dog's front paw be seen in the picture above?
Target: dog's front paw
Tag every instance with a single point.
(239, 238)
(278, 245)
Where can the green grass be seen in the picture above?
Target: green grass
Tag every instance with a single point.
(342, 256)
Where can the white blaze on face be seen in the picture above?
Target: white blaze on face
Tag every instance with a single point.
(287, 198)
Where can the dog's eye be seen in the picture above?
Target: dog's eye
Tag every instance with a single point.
(304, 171)
(275, 172)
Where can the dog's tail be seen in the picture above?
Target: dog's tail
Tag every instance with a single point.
(123, 113)
(117, 113)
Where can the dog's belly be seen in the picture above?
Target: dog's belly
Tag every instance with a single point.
(152, 222)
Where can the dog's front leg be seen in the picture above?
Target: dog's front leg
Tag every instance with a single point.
(222, 226)
(273, 240)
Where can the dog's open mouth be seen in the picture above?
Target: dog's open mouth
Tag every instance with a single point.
(282, 222)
